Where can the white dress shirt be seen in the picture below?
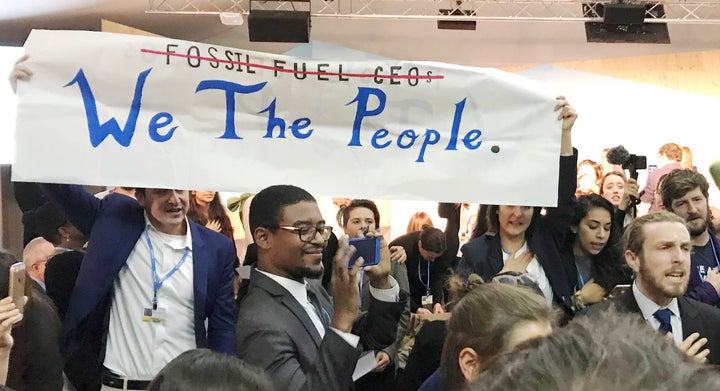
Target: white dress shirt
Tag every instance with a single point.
(136, 349)
(298, 290)
(648, 308)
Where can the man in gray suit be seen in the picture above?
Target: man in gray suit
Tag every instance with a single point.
(287, 323)
(657, 248)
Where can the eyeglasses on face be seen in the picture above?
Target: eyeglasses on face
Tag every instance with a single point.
(307, 233)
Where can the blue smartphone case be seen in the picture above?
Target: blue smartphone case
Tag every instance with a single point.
(368, 248)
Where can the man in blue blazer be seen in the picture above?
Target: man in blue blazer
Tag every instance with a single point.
(152, 285)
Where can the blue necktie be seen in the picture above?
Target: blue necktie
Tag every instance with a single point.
(663, 315)
(319, 310)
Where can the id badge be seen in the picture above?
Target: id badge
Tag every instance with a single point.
(427, 300)
(154, 316)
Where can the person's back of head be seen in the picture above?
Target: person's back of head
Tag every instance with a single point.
(35, 256)
(46, 220)
(204, 369)
(672, 152)
(418, 221)
(687, 158)
(489, 320)
(37, 250)
(603, 351)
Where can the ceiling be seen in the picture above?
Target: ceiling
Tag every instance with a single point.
(495, 43)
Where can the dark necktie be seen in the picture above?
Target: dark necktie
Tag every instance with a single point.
(319, 310)
(663, 315)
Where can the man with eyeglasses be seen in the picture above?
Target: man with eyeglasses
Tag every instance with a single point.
(287, 323)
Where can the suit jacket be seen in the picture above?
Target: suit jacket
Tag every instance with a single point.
(696, 317)
(61, 271)
(113, 226)
(275, 333)
(483, 255)
(697, 288)
(36, 363)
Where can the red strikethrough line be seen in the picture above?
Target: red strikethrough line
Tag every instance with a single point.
(283, 70)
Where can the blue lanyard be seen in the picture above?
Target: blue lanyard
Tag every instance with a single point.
(158, 283)
(362, 276)
(426, 285)
(62, 249)
(581, 280)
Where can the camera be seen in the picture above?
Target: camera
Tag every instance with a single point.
(629, 161)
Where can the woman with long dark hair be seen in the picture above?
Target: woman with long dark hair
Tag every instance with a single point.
(593, 250)
(206, 209)
(621, 192)
(527, 242)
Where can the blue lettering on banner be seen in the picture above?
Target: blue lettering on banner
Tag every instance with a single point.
(230, 90)
(299, 128)
(277, 122)
(408, 137)
(98, 131)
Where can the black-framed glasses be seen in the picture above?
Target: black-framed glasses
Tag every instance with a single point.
(307, 233)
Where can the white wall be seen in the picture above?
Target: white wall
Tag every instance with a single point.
(639, 116)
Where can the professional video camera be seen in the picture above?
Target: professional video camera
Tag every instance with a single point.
(631, 162)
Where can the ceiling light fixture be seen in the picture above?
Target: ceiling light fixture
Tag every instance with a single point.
(231, 18)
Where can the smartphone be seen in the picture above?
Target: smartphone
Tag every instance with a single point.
(618, 291)
(368, 249)
(17, 285)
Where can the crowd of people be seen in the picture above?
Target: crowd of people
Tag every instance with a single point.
(144, 289)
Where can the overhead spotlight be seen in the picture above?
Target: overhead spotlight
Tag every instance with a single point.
(231, 19)
(625, 23)
(625, 14)
(456, 24)
(280, 25)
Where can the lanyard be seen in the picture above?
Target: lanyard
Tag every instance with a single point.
(426, 285)
(62, 249)
(158, 283)
(581, 280)
(362, 276)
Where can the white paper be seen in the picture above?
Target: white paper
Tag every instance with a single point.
(365, 364)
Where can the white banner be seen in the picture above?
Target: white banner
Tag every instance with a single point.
(112, 109)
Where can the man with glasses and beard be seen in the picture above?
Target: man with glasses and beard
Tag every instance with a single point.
(287, 323)
(685, 193)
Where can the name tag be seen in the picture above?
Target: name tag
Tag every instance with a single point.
(427, 301)
(154, 316)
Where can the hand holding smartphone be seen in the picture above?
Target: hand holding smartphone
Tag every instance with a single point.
(16, 288)
(368, 249)
(618, 291)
